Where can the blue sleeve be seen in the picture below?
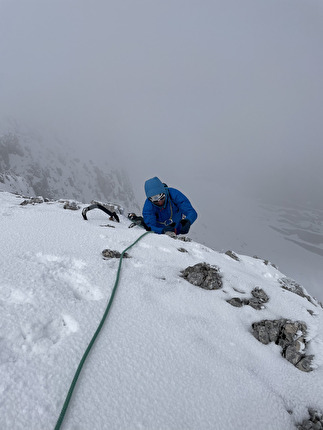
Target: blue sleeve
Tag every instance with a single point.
(183, 204)
(149, 215)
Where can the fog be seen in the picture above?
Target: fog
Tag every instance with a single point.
(224, 93)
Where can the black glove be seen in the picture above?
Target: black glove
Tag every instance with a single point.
(185, 226)
(169, 227)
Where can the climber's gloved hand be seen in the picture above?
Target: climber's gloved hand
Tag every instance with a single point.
(170, 227)
(185, 225)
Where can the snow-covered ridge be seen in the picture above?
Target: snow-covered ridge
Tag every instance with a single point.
(170, 356)
(41, 165)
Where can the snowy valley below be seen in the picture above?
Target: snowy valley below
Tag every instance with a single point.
(171, 355)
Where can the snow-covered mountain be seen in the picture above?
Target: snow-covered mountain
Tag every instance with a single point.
(244, 351)
(39, 164)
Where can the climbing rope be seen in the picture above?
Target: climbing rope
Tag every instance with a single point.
(86, 353)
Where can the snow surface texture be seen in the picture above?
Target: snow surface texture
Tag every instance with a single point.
(170, 355)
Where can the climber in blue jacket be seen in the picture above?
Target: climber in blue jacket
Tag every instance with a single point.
(167, 209)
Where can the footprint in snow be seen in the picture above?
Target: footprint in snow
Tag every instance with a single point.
(40, 336)
(35, 337)
(14, 295)
(70, 272)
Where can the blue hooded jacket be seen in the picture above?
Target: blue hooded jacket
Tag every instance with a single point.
(176, 205)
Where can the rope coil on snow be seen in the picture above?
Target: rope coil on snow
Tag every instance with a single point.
(87, 351)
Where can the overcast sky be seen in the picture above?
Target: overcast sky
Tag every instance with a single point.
(193, 91)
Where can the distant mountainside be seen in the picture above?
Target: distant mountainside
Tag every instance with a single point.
(290, 237)
(32, 164)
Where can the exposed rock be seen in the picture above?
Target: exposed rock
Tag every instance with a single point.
(290, 335)
(315, 421)
(203, 275)
(173, 235)
(184, 238)
(33, 201)
(71, 205)
(235, 301)
(259, 294)
(257, 301)
(182, 250)
(109, 253)
(238, 290)
(266, 262)
(232, 255)
(291, 285)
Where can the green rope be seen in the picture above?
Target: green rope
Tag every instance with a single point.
(78, 371)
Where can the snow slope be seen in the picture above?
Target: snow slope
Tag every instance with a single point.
(170, 355)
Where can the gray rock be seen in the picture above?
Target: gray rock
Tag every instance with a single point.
(314, 422)
(33, 201)
(238, 303)
(256, 302)
(290, 336)
(305, 364)
(203, 275)
(171, 234)
(184, 238)
(71, 205)
(259, 294)
(292, 355)
(232, 255)
(292, 286)
(108, 254)
(262, 334)
(266, 262)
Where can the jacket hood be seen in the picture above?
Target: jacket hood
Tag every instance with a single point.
(154, 186)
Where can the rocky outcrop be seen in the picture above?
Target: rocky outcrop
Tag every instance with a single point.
(203, 275)
(233, 255)
(290, 336)
(294, 287)
(109, 253)
(67, 204)
(182, 250)
(314, 422)
(266, 262)
(34, 201)
(71, 205)
(259, 297)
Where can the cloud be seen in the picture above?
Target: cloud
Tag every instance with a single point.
(228, 91)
